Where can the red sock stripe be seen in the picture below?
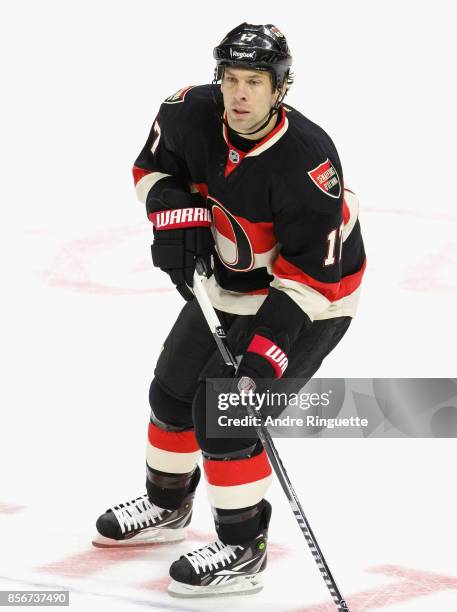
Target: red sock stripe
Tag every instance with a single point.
(238, 471)
(202, 189)
(172, 441)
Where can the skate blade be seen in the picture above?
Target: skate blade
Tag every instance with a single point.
(156, 536)
(243, 585)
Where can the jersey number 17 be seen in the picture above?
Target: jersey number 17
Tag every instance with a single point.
(330, 259)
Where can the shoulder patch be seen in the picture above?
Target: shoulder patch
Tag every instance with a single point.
(179, 96)
(326, 178)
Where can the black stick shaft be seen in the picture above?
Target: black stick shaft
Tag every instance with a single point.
(265, 437)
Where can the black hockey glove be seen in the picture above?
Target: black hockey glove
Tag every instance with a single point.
(276, 327)
(181, 234)
(264, 357)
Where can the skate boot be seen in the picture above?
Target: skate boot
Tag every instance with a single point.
(139, 522)
(221, 569)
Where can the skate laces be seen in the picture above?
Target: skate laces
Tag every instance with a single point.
(137, 513)
(212, 555)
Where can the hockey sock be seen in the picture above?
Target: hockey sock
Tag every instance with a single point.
(168, 490)
(171, 465)
(242, 525)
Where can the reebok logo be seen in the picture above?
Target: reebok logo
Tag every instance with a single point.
(242, 54)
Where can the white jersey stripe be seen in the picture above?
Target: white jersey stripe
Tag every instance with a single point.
(146, 182)
(310, 301)
(271, 141)
(352, 202)
(231, 301)
(242, 304)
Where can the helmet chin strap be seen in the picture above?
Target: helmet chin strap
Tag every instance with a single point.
(273, 111)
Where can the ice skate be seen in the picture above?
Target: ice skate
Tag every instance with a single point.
(220, 569)
(140, 523)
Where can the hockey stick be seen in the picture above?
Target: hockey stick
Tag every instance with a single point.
(264, 436)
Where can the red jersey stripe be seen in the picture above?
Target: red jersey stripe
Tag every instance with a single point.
(172, 441)
(264, 140)
(332, 291)
(238, 471)
(138, 173)
(346, 213)
(231, 165)
(260, 234)
(202, 189)
(256, 292)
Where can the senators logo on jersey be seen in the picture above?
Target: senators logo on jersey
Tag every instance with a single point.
(232, 242)
(326, 178)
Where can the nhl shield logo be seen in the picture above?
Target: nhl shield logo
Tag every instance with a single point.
(326, 178)
(234, 156)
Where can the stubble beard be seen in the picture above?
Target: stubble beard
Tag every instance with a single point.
(246, 129)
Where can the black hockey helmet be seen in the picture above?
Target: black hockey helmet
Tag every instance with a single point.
(260, 47)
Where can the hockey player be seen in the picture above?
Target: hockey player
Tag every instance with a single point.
(231, 174)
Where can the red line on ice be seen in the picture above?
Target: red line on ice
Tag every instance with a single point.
(10, 508)
(92, 561)
(71, 267)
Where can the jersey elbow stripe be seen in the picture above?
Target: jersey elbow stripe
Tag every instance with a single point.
(145, 182)
(310, 301)
(138, 173)
(350, 213)
(331, 291)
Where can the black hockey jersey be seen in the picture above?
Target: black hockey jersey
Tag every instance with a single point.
(287, 237)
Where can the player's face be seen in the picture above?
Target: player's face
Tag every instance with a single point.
(248, 98)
